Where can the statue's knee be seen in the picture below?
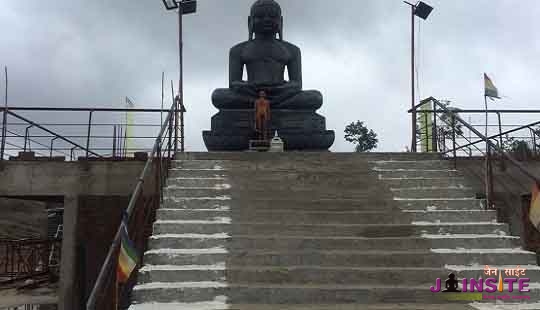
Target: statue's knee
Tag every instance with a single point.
(313, 99)
(223, 98)
(314, 96)
(220, 94)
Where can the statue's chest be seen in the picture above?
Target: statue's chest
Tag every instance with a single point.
(267, 54)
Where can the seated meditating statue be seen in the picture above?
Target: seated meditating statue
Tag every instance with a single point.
(265, 58)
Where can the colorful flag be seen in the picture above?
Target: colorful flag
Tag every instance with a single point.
(534, 210)
(127, 257)
(489, 88)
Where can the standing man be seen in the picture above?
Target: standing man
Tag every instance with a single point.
(262, 116)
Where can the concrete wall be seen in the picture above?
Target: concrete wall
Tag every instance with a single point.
(94, 196)
(509, 185)
(99, 217)
(21, 219)
(38, 178)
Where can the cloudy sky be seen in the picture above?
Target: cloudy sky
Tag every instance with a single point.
(68, 53)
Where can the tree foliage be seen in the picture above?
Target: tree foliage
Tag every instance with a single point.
(518, 148)
(364, 138)
(446, 124)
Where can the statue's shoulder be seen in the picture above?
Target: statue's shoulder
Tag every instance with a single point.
(291, 47)
(238, 48)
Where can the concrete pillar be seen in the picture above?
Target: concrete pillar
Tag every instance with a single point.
(68, 290)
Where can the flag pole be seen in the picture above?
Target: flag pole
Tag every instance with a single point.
(162, 95)
(487, 185)
(486, 129)
(4, 118)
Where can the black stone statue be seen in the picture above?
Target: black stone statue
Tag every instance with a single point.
(265, 58)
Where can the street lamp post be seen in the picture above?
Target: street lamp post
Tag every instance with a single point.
(421, 10)
(184, 7)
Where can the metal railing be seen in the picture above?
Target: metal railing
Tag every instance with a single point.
(444, 131)
(434, 129)
(81, 133)
(144, 201)
(23, 307)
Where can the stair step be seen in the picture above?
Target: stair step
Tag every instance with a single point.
(175, 191)
(223, 306)
(201, 164)
(197, 173)
(256, 186)
(433, 192)
(294, 243)
(453, 215)
(413, 164)
(274, 165)
(315, 179)
(257, 203)
(197, 182)
(328, 217)
(274, 194)
(415, 173)
(425, 182)
(413, 258)
(292, 294)
(440, 204)
(306, 156)
(310, 274)
(352, 230)
(288, 217)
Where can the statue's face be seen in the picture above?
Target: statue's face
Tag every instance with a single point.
(266, 19)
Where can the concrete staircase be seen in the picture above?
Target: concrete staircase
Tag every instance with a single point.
(319, 231)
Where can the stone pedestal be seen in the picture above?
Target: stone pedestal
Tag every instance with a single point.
(299, 130)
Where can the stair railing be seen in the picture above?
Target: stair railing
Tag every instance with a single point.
(453, 120)
(144, 201)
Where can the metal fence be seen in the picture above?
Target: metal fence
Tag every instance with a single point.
(514, 131)
(82, 133)
(23, 307)
(27, 259)
(443, 129)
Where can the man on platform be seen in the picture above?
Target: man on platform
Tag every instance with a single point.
(262, 116)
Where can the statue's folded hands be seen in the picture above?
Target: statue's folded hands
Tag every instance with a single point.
(244, 87)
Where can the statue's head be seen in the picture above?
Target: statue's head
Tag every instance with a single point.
(265, 18)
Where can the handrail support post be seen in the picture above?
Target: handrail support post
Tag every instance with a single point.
(4, 133)
(454, 152)
(88, 135)
(434, 131)
(26, 137)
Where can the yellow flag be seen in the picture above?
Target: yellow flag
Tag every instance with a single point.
(489, 88)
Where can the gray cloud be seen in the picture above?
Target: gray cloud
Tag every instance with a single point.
(93, 53)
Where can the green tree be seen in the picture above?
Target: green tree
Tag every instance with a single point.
(364, 138)
(517, 148)
(446, 124)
